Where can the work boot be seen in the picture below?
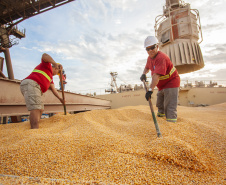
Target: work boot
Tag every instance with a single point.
(172, 120)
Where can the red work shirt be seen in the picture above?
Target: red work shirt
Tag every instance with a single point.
(162, 65)
(40, 78)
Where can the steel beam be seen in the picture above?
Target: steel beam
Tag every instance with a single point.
(13, 12)
(9, 64)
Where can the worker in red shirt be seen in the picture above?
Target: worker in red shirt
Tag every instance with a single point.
(37, 83)
(63, 78)
(165, 77)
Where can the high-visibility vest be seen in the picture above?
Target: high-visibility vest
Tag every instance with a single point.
(43, 73)
(167, 76)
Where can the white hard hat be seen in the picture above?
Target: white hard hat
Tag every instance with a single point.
(150, 40)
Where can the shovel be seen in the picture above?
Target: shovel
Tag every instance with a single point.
(62, 88)
(153, 113)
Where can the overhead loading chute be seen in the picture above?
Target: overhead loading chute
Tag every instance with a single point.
(179, 33)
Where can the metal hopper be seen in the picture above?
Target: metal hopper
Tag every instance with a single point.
(179, 33)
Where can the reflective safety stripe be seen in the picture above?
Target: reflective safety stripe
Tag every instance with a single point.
(43, 73)
(167, 76)
(160, 114)
(171, 120)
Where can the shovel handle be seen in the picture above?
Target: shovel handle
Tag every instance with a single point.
(153, 113)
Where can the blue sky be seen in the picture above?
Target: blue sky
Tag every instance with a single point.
(91, 38)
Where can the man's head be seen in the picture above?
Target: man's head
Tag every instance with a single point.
(151, 45)
(56, 68)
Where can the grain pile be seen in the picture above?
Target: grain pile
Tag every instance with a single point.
(117, 147)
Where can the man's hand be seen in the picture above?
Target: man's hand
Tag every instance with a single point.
(143, 77)
(148, 95)
(62, 101)
(59, 66)
(54, 91)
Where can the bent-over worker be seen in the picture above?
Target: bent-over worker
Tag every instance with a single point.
(37, 83)
(165, 77)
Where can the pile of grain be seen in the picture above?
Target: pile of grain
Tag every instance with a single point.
(117, 147)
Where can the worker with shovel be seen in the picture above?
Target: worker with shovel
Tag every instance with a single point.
(37, 83)
(165, 77)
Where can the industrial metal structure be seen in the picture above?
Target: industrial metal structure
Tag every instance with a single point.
(114, 87)
(179, 33)
(13, 12)
(122, 88)
(12, 102)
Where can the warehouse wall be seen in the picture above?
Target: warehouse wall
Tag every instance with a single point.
(195, 96)
(209, 96)
(130, 98)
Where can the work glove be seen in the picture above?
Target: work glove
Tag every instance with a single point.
(143, 77)
(148, 95)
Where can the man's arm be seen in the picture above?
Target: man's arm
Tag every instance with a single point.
(54, 91)
(145, 71)
(48, 58)
(155, 80)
